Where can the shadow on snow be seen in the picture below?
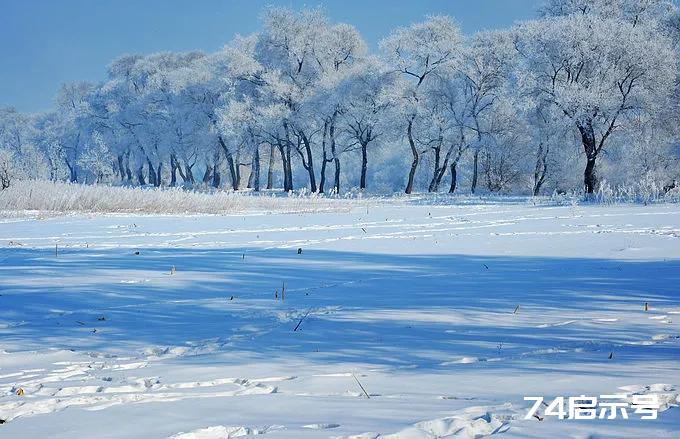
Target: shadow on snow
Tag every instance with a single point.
(389, 310)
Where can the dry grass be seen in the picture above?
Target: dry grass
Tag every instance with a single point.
(44, 196)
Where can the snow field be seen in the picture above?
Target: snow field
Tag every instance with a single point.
(447, 316)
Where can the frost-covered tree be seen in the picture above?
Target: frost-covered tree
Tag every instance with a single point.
(598, 72)
(479, 97)
(633, 11)
(21, 159)
(286, 53)
(304, 102)
(341, 57)
(365, 108)
(7, 168)
(420, 52)
(97, 158)
(72, 118)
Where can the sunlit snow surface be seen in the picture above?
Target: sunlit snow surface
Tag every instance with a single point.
(417, 303)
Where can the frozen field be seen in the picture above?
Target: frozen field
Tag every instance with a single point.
(447, 316)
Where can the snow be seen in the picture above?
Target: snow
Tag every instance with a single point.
(446, 315)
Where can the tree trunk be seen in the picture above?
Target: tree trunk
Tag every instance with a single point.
(309, 162)
(475, 171)
(286, 151)
(438, 170)
(140, 175)
(322, 180)
(73, 173)
(454, 177)
(53, 170)
(290, 167)
(439, 173)
(336, 159)
(255, 170)
(121, 167)
(5, 179)
(173, 176)
(416, 158)
(590, 148)
(364, 165)
(284, 166)
(180, 170)
(324, 158)
(541, 169)
(232, 172)
(207, 175)
(270, 170)
(434, 181)
(230, 163)
(336, 185)
(187, 174)
(439, 176)
(173, 170)
(152, 172)
(159, 180)
(589, 176)
(216, 176)
(285, 162)
(238, 168)
(128, 171)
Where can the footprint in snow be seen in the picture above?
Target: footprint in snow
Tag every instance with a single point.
(471, 422)
(667, 394)
(550, 325)
(463, 360)
(225, 432)
(321, 426)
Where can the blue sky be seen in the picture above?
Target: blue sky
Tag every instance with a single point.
(44, 43)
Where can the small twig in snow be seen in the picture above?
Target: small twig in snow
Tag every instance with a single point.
(362, 387)
(301, 320)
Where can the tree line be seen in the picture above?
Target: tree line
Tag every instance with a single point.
(587, 91)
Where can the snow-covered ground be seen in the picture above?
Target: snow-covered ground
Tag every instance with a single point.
(446, 316)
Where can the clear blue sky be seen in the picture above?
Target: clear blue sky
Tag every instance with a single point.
(44, 43)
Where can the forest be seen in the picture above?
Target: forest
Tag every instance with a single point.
(584, 95)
